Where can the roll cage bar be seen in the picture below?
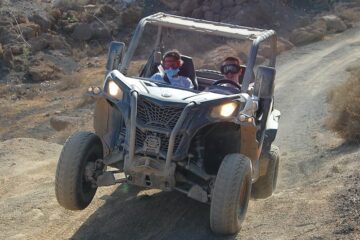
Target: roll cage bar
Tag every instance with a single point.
(161, 20)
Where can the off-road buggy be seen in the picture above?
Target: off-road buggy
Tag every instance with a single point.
(212, 143)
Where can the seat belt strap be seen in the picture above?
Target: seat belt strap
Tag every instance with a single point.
(166, 79)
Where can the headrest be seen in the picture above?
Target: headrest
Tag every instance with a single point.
(157, 57)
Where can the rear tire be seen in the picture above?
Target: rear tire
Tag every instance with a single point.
(231, 193)
(266, 185)
(74, 191)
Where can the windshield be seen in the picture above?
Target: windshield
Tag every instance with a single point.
(207, 51)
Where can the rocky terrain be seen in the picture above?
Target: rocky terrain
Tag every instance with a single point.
(45, 40)
(51, 51)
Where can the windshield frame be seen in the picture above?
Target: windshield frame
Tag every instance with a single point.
(255, 35)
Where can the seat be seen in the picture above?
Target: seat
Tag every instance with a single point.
(187, 69)
(241, 77)
(151, 65)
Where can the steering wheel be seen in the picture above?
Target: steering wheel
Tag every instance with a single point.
(227, 81)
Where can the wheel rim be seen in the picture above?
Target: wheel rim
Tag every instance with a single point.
(87, 189)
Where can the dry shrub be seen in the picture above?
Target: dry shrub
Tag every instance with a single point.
(85, 101)
(135, 67)
(70, 82)
(349, 12)
(344, 103)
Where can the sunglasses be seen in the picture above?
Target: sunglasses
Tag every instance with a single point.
(168, 63)
(230, 68)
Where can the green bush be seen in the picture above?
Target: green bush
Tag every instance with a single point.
(344, 102)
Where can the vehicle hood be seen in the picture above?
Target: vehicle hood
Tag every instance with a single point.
(180, 95)
(166, 93)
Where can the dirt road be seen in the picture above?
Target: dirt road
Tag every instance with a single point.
(316, 169)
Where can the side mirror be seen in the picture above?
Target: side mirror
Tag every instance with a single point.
(264, 82)
(115, 55)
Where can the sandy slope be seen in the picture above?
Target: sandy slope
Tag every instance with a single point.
(313, 200)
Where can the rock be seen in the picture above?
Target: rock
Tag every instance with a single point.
(334, 24)
(5, 21)
(216, 17)
(216, 6)
(260, 59)
(304, 21)
(216, 56)
(29, 30)
(40, 71)
(312, 33)
(187, 6)
(21, 19)
(209, 15)
(8, 35)
(56, 41)
(115, 25)
(44, 21)
(36, 214)
(172, 4)
(55, 13)
(69, 4)
(54, 217)
(61, 122)
(69, 27)
(19, 236)
(90, 8)
(228, 3)
(239, 2)
(94, 30)
(20, 63)
(82, 31)
(38, 44)
(131, 16)
(198, 13)
(283, 45)
(265, 51)
(106, 12)
(71, 16)
(8, 58)
(99, 31)
(17, 50)
(302, 36)
(206, 6)
(49, 41)
(14, 97)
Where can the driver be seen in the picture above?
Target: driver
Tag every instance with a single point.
(233, 75)
(169, 69)
(231, 69)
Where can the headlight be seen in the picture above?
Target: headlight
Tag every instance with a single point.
(225, 110)
(114, 90)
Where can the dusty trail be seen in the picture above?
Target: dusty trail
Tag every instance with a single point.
(302, 87)
(299, 209)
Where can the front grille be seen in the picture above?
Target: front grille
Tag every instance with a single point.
(164, 140)
(154, 115)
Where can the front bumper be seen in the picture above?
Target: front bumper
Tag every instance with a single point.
(147, 171)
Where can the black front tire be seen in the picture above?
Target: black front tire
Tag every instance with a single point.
(231, 193)
(73, 190)
(266, 185)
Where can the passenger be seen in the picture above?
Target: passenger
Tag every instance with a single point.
(231, 69)
(169, 69)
